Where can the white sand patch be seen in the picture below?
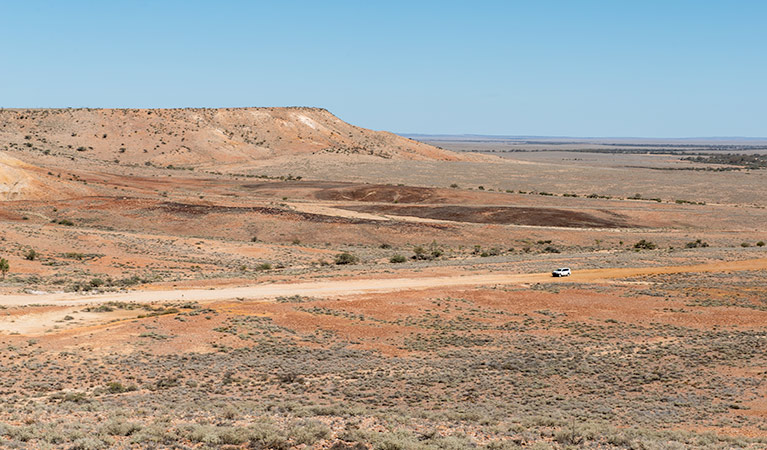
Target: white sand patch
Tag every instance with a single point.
(306, 121)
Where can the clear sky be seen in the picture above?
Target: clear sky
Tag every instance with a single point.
(671, 68)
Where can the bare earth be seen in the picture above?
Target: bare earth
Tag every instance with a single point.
(276, 278)
(358, 286)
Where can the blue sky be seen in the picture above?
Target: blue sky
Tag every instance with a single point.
(673, 68)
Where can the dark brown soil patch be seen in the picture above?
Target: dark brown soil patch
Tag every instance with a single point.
(382, 193)
(293, 184)
(196, 210)
(190, 209)
(549, 217)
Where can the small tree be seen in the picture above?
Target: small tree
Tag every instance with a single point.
(30, 255)
(4, 266)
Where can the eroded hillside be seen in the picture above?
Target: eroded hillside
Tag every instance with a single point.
(193, 137)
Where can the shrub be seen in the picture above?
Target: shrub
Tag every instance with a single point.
(434, 251)
(120, 428)
(760, 244)
(309, 432)
(233, 435)
(290, 377)
(345, 258)
(645, 245)
(4, 266)
(697, 243)
(265, 436)
(90, 443)
(493, 251)
(74, 397)
(115, 387)
(745, 244)
(397, 259)
(30, 255)
(569, 436)
(264, 266)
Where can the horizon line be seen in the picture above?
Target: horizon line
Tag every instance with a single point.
(536, 136)
(407, 135)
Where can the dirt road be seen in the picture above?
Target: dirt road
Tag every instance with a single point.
(336, 288)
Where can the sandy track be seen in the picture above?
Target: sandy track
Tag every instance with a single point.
(364, 286)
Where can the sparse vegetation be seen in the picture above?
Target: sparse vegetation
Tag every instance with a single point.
(645, 245)
(396, 259)
(431, 252)
(512, 359)
(748, 161)
(345, 258)
(4, 267)
(696, 243)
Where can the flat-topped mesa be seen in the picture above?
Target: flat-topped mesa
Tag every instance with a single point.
(201, 136)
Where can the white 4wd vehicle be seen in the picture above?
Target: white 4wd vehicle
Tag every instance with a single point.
(561, 272)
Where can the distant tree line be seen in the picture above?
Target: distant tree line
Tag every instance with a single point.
(732, 159)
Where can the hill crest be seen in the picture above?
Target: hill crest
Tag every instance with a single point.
(190, 137)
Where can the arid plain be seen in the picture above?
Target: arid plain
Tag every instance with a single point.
(275, 278)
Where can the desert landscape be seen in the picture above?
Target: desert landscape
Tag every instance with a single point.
(276, 278)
